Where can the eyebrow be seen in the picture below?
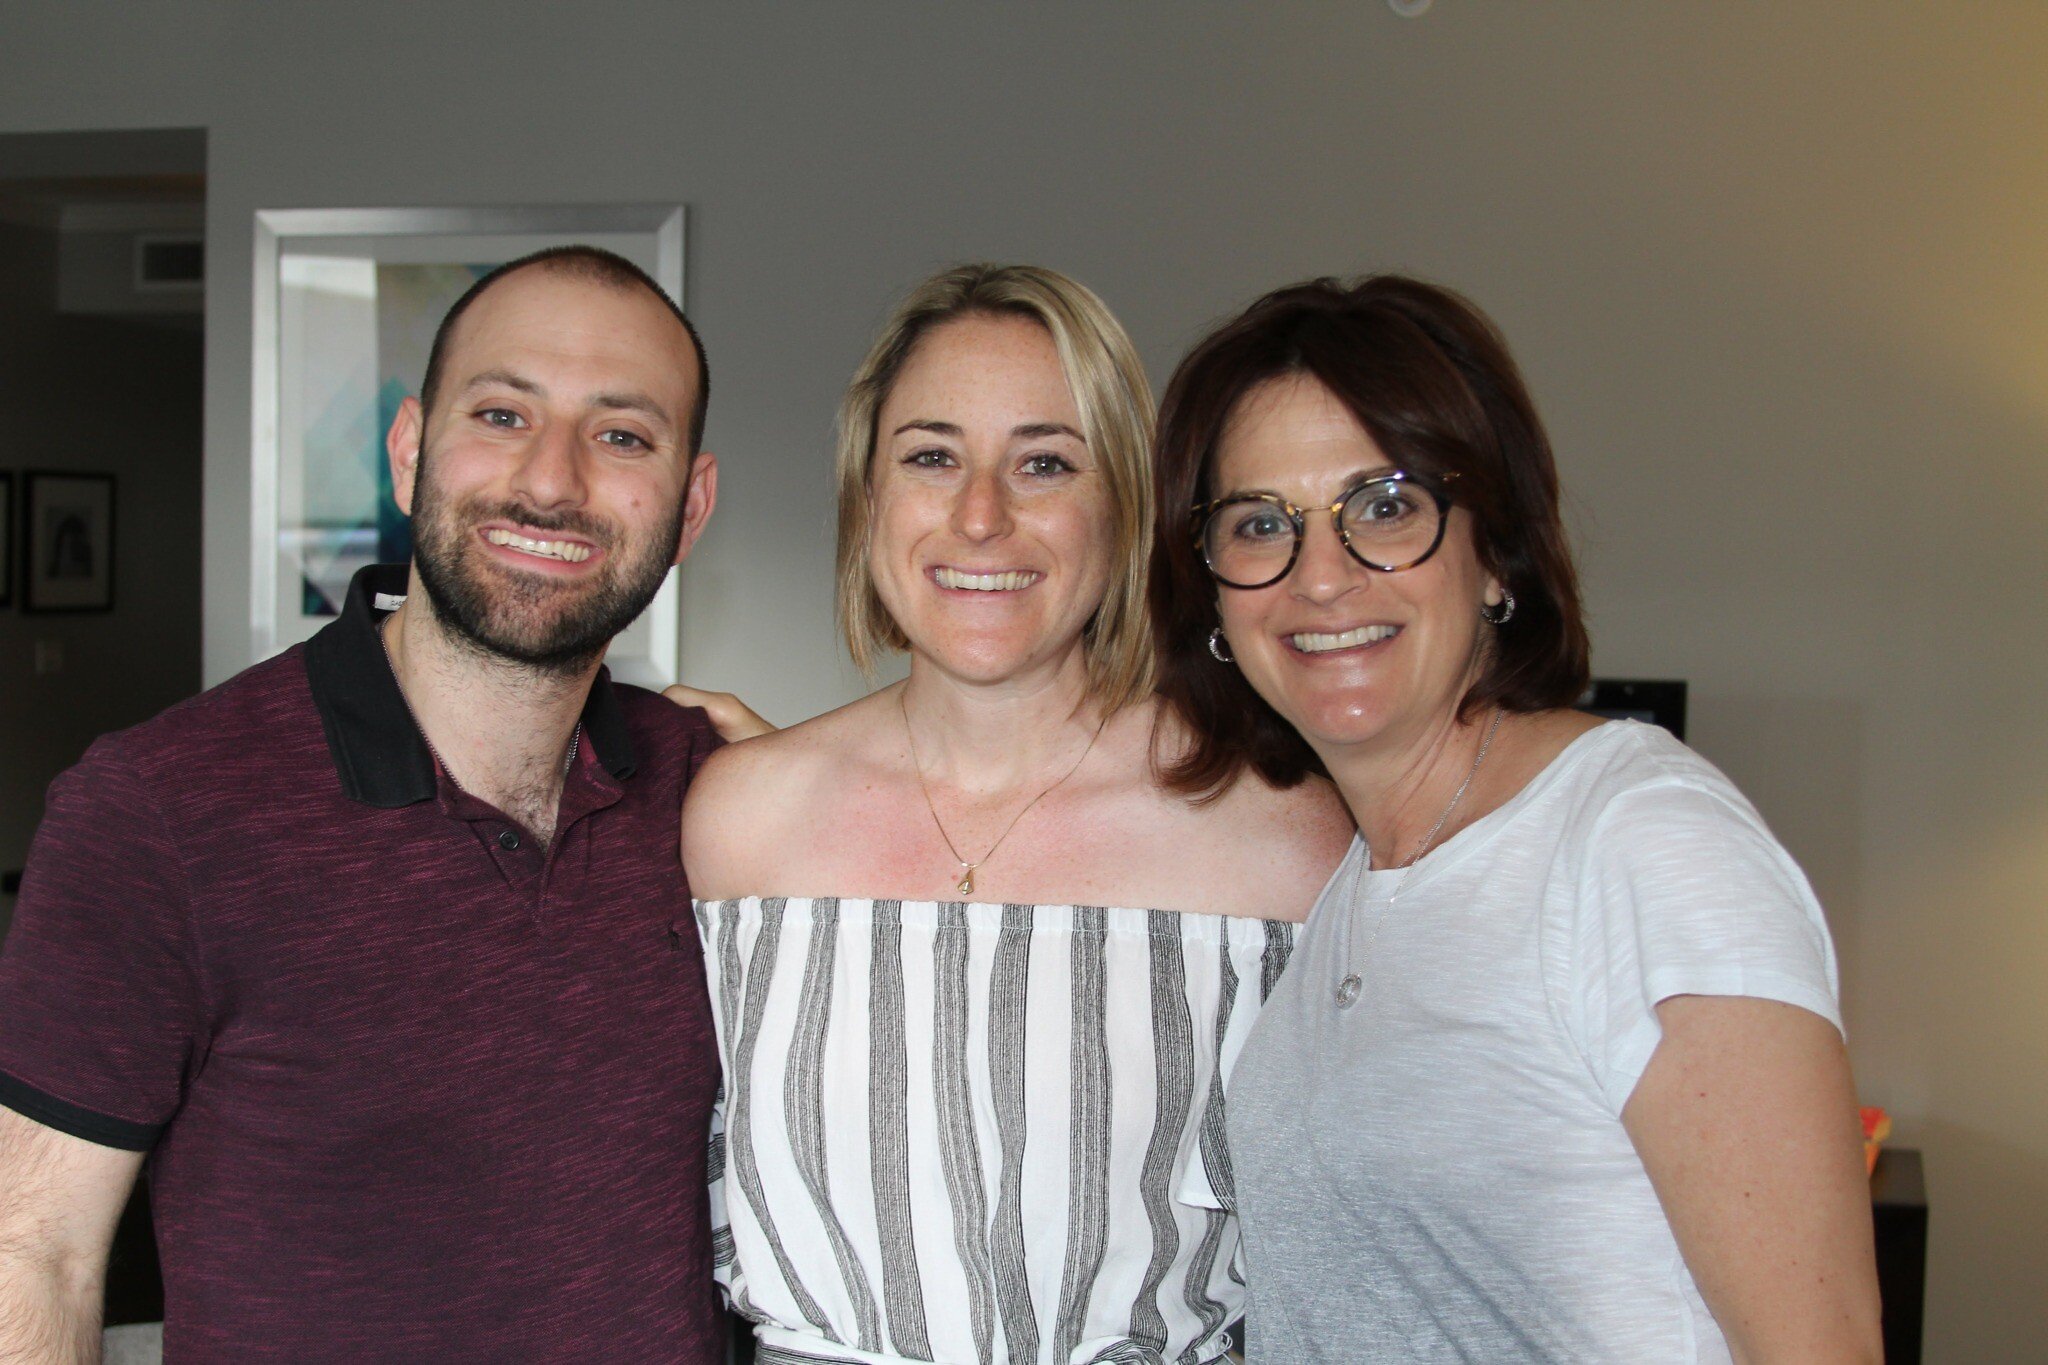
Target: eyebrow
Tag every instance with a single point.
(1027, 430)
(641, 403)
(502, 377)
(1041, 429)
(1351, 485)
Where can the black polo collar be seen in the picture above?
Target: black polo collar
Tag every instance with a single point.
(379, 753)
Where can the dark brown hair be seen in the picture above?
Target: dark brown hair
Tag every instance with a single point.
(1430, 379)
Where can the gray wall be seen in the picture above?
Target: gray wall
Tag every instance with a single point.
(102, 396)
(1776, 273)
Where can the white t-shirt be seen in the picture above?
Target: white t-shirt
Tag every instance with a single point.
(1439, 1172)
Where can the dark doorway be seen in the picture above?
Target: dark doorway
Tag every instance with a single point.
(102, 289)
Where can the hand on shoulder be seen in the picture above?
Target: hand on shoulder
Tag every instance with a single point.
(732, 718)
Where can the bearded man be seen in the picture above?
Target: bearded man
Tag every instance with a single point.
(381, 951)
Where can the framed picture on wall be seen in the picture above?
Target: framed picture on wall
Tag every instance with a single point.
(347, 302)
(6, 538)
(67, 542)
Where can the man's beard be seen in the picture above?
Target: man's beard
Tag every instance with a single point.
(534, 619)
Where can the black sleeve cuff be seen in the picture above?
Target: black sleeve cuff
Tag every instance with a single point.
(66, 1117)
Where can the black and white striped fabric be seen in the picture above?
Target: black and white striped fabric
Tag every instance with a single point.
(976, 1133)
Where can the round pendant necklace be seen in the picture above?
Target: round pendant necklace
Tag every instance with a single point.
(1353, 983)
(965, 886)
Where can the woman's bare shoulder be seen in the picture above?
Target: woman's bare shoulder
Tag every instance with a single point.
(1252, 849)
(751, 796)
(776, 764)
(1308, 818)
(1305, 825)
(1272, 849)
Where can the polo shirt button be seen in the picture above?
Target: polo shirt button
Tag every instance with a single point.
(508, 840)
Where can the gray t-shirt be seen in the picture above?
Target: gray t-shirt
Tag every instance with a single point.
(1439, 1171)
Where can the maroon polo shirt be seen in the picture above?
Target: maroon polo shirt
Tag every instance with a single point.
(414, 1087)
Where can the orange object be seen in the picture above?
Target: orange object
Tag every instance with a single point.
(1877, 1126)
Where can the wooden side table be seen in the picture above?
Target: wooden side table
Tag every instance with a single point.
(1898, 1210)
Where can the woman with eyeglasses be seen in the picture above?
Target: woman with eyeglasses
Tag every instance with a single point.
(979, 978)
(1556, 1071)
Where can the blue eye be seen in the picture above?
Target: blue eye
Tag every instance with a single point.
(503, 418)
(1381, 506)
(1262, 524)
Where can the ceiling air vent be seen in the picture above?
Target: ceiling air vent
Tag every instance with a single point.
(170, 264)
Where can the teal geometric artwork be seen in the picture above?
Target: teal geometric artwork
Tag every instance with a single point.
(376, 360)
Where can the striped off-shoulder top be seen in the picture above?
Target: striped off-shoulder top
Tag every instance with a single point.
(977, 1133)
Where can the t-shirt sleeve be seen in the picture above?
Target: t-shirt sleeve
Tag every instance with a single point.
(99, 992)
(1685, 892)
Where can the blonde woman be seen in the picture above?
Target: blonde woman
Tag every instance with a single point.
(979, 978)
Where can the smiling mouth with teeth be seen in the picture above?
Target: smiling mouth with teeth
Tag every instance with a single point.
(1009, 581)
(567, 551)
(1311, 643)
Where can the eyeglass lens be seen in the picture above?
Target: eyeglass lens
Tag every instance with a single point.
(1388, 524)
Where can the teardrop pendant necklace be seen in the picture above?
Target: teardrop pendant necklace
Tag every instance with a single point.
(1353, 983)
(965, 886)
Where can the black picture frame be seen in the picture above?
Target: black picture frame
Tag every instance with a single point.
(6, 538)
(67, 542)
(1660, 701)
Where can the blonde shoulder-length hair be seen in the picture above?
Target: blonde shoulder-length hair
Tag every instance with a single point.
(1115, 403)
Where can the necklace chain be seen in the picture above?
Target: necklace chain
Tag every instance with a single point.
(1429, 839)
(965, 886)
(1353, 983)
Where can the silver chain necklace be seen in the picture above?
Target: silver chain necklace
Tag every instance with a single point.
(965, 886)
(1353, 983)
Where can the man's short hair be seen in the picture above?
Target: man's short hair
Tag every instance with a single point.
(578, 262)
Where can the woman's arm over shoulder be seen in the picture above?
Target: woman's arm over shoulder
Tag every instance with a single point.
(1745, 1119)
